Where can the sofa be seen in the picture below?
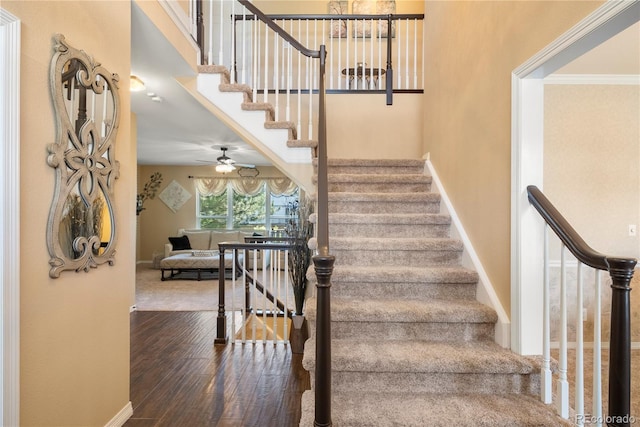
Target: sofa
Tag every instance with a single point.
(208, 240)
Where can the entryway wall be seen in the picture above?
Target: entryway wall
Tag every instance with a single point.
(527, 160)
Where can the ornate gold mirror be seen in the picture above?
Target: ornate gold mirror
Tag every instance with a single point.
(81, 230)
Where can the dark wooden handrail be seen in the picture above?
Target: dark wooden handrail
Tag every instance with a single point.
(570, 237)
(621, 271)
(281, 31)
(336, 17)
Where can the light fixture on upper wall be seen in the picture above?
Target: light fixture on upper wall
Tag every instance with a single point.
(136, 84)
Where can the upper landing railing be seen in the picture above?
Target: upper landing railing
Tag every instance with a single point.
(620, 271)
(363, 55)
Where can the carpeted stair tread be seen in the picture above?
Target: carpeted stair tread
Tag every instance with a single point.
(406, 311)
(378, 178)
(384, 197)
(376, 162)
(304, 143)
(410, 409)
(390, 274)
(395, 244)
(476, 357)
(213, 69)
(389, 218)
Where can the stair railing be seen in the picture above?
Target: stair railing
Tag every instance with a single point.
(621, 271)
(276, 37)
(267, 275)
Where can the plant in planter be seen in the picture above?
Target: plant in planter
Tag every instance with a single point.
(300, 229)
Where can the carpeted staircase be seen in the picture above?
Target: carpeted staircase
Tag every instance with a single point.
(411, 345)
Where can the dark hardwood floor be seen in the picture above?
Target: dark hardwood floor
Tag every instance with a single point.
(180, 378)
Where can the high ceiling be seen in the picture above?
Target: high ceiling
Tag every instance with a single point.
(178, 130)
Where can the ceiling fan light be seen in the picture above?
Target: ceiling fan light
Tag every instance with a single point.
(225, 168)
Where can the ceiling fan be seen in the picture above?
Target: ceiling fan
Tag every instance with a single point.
(227, 164)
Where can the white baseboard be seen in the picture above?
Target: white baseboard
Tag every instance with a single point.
(485, 292)
(121, 417)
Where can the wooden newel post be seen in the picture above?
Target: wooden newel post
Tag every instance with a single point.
(221, 327)
(619, 413)
(324, 268)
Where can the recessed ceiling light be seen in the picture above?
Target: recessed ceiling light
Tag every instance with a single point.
(150, 94)
(136, 84)
(156, 98)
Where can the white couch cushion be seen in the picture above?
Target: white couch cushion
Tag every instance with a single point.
(224, 236)
(199, 240)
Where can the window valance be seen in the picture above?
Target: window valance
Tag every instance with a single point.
(245, 186)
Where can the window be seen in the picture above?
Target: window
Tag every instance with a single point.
(261, 212)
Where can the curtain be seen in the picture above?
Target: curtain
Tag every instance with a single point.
(280, 186)
(245, 186)
(211, 186)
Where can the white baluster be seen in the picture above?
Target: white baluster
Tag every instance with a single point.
(274, 313)
(406, 59)
(276, 63)
(563, 386)
(331, 52)
(579, 389)
(299, 122)
(233, 294)
(398, 71)
(264, 300)
(243, 64)
(340, 54)
(221, 53)
(232, 66)
(371, 82)
(364, 59)
(210, 51)
(380, 55)
(288, 82)
(254, 295)
(286, 294)
(415, 53)
(254, 62)
(265, 96)
(245, 303)
(547, 379)
(597, 352)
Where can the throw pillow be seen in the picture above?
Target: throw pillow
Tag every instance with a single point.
(180, 243)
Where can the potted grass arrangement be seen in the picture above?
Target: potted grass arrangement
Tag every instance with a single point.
(300, 229)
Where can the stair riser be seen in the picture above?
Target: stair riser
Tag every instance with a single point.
(413, 291)
(375, 170)
(418, 331)
(383, 207)
(411, 258)
(379, 187)
(395, 230)
(434, 382)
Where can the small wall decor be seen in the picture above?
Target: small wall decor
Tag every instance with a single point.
(174, 196)
(148, 191)
(81, 229)
(373, 7)
(338, 28)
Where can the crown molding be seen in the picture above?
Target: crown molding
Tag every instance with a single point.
(592, 79)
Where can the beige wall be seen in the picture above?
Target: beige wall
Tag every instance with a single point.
(157, 222)
(471, 48)
(74, 341)
(592, 162)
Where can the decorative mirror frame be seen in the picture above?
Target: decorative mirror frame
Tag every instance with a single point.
(83, 157)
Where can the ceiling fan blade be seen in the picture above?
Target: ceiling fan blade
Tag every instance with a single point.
(245, 165)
